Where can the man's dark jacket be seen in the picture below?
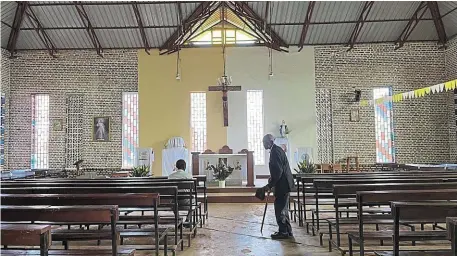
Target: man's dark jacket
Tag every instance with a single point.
(280, 175)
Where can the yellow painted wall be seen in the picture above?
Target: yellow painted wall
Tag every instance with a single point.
(164, 102)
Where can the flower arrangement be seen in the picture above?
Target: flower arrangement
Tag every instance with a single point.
(140, 171)
(221, 171)
(305, 166)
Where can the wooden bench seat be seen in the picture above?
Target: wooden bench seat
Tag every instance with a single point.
(80, 234)
(26, 235)
(103, 214)
(404, 235)
(94, 252)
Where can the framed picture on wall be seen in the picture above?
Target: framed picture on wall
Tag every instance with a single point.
(354, 117)
(101, 129)
(57, 125)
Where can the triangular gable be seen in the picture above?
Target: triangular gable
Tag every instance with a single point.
(210, 32)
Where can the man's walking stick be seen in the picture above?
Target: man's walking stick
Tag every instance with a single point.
(264, 212)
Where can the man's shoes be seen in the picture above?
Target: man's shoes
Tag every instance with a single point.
(291, 235)
(278, 236)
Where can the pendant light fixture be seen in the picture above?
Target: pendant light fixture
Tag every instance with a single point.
(270, 49)
(178, 57)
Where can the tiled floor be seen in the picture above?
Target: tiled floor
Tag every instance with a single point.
(234, 229)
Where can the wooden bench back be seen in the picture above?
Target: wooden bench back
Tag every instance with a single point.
(328, 184)
(119, 199)
(78, 214)
(427, 210)
(180, 184)
(432, 211)
(387, 196)
(344, 190)
(166, 192)
(371, 173)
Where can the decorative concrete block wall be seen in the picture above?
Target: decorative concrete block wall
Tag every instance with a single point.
(5, 89)
(421, 126)
(451, 73)
(99, 81)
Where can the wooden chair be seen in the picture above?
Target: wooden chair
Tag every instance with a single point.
(337, 168)
(326, 168)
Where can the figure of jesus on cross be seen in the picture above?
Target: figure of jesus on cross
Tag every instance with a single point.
(224, 86)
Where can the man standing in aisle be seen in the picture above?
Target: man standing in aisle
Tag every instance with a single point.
(282, 182)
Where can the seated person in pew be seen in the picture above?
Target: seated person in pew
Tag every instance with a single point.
(180, 173)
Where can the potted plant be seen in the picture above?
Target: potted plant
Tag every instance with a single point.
(305, 167)
(221, 172)
(140, 171)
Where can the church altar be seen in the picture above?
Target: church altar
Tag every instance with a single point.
(243, 162)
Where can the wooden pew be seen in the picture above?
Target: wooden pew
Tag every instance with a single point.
(370, 198)
(202, 186)
(345, 191)
(327, 186)
(187, 188)
(167, 193)
(408, 211)
(27, 235)
(451, 227)
(196, 207)
(100, 214)
(139, 201)
(304, 184)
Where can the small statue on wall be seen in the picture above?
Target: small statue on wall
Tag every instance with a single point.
(283, 130)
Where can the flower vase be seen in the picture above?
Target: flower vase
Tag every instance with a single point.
(222, 183)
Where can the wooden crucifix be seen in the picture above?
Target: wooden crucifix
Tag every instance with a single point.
(224, 87)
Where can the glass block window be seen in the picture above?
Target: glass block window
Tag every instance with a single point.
(255, 125)
(40, 131)
(75, 111)
(2, 131)
(198, 121)
(385, 150)
(129, 128)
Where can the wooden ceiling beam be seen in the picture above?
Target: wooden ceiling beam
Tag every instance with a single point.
(197, 15)
(257, 21)
(412, 23)
(434, 10)
(139, 21)
(16, 27)
(367, 6)
(44, 37)
(88, 25)
(304, 32)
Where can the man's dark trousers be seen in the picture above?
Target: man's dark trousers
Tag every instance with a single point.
(282, 214)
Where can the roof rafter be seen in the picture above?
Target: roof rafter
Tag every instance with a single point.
(44, 37)
(201, 12)
(97, 28)
(267, 8)
(141, 27)
(90, 30)
(434, 10)
(258, 32)
(16, 27)
(246, 11)
(418, 14)
(367, 6)
(309, 14)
